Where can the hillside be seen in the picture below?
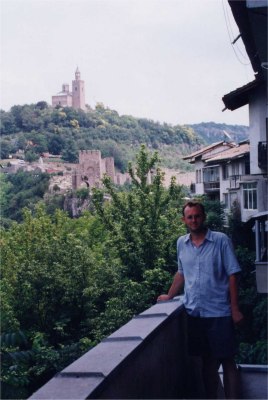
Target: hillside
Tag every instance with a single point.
(211, 132)
(37, 128)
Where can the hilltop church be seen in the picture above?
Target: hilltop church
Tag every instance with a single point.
(76, 98)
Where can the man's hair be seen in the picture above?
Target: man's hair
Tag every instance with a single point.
(193, 203)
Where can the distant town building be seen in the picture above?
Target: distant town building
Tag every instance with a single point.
(76, 98)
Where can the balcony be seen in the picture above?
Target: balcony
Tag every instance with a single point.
(262, 155)
(234, 181)
(261, 262)
(144, 359)
(211, 181)
(211, 187)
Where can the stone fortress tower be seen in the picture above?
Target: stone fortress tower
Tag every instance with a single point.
(91, 169)
(76, 98)
(78, 87)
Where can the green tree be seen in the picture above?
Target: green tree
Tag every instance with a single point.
(15, 360)
(42, 105)
(240, 232)
(55, 144)
(215, 214)
(7, 123)
(70, 152)
(22, 189)
(21, 142)
(144, 223)
(52, 287)
(39, 142)
(252, 336)
(6, 149)
(5, 185)
(31, 156)
(16, 113)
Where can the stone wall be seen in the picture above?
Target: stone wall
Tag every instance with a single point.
(64, 100)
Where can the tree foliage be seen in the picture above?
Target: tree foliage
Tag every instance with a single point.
(254, 307)
(66, 283)
(144, 222)
(50, 287)
(21, 189)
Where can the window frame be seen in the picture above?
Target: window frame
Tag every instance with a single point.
(250, 198)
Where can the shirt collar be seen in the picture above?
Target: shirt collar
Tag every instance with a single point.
(209, 236)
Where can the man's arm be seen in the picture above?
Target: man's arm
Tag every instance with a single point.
(175, 288)
(233, 287)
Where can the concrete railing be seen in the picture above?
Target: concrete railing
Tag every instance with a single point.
(144, 359)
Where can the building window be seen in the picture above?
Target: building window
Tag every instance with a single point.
(250, 196)
(247, 166)
(235, 169)
(211, 174)
(198, 176)
(225, 171)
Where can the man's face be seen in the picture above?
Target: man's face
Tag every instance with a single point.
(194, 219)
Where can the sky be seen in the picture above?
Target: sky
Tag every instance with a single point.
(166, 60)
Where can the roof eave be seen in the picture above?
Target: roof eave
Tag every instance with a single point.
(253, 29)
(227, 158)
(240, 97)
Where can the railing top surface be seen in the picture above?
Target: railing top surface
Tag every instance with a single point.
(85, 374)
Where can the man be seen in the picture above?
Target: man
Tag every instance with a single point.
(208, 268)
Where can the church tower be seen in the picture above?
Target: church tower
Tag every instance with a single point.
(78, 92)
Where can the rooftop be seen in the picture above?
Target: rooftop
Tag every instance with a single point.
(230, 154)
(202, 152)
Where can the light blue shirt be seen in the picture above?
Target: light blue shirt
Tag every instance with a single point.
(206, 271)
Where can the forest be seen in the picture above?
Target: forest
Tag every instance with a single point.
(66, 283)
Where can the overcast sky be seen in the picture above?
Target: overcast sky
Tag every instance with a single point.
(166, 60)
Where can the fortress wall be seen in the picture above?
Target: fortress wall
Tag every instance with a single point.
(109, 167)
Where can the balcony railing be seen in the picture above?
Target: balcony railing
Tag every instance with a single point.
(211, 186)
(144, 359)
(234, 181)
(262, 155)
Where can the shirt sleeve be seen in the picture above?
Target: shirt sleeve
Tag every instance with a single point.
(180, 270)
(230, 261)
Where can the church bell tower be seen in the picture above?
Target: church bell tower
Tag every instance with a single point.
(78, 92)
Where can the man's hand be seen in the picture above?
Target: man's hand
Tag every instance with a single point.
(237, 317)
(175, 288)
(163, 297)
